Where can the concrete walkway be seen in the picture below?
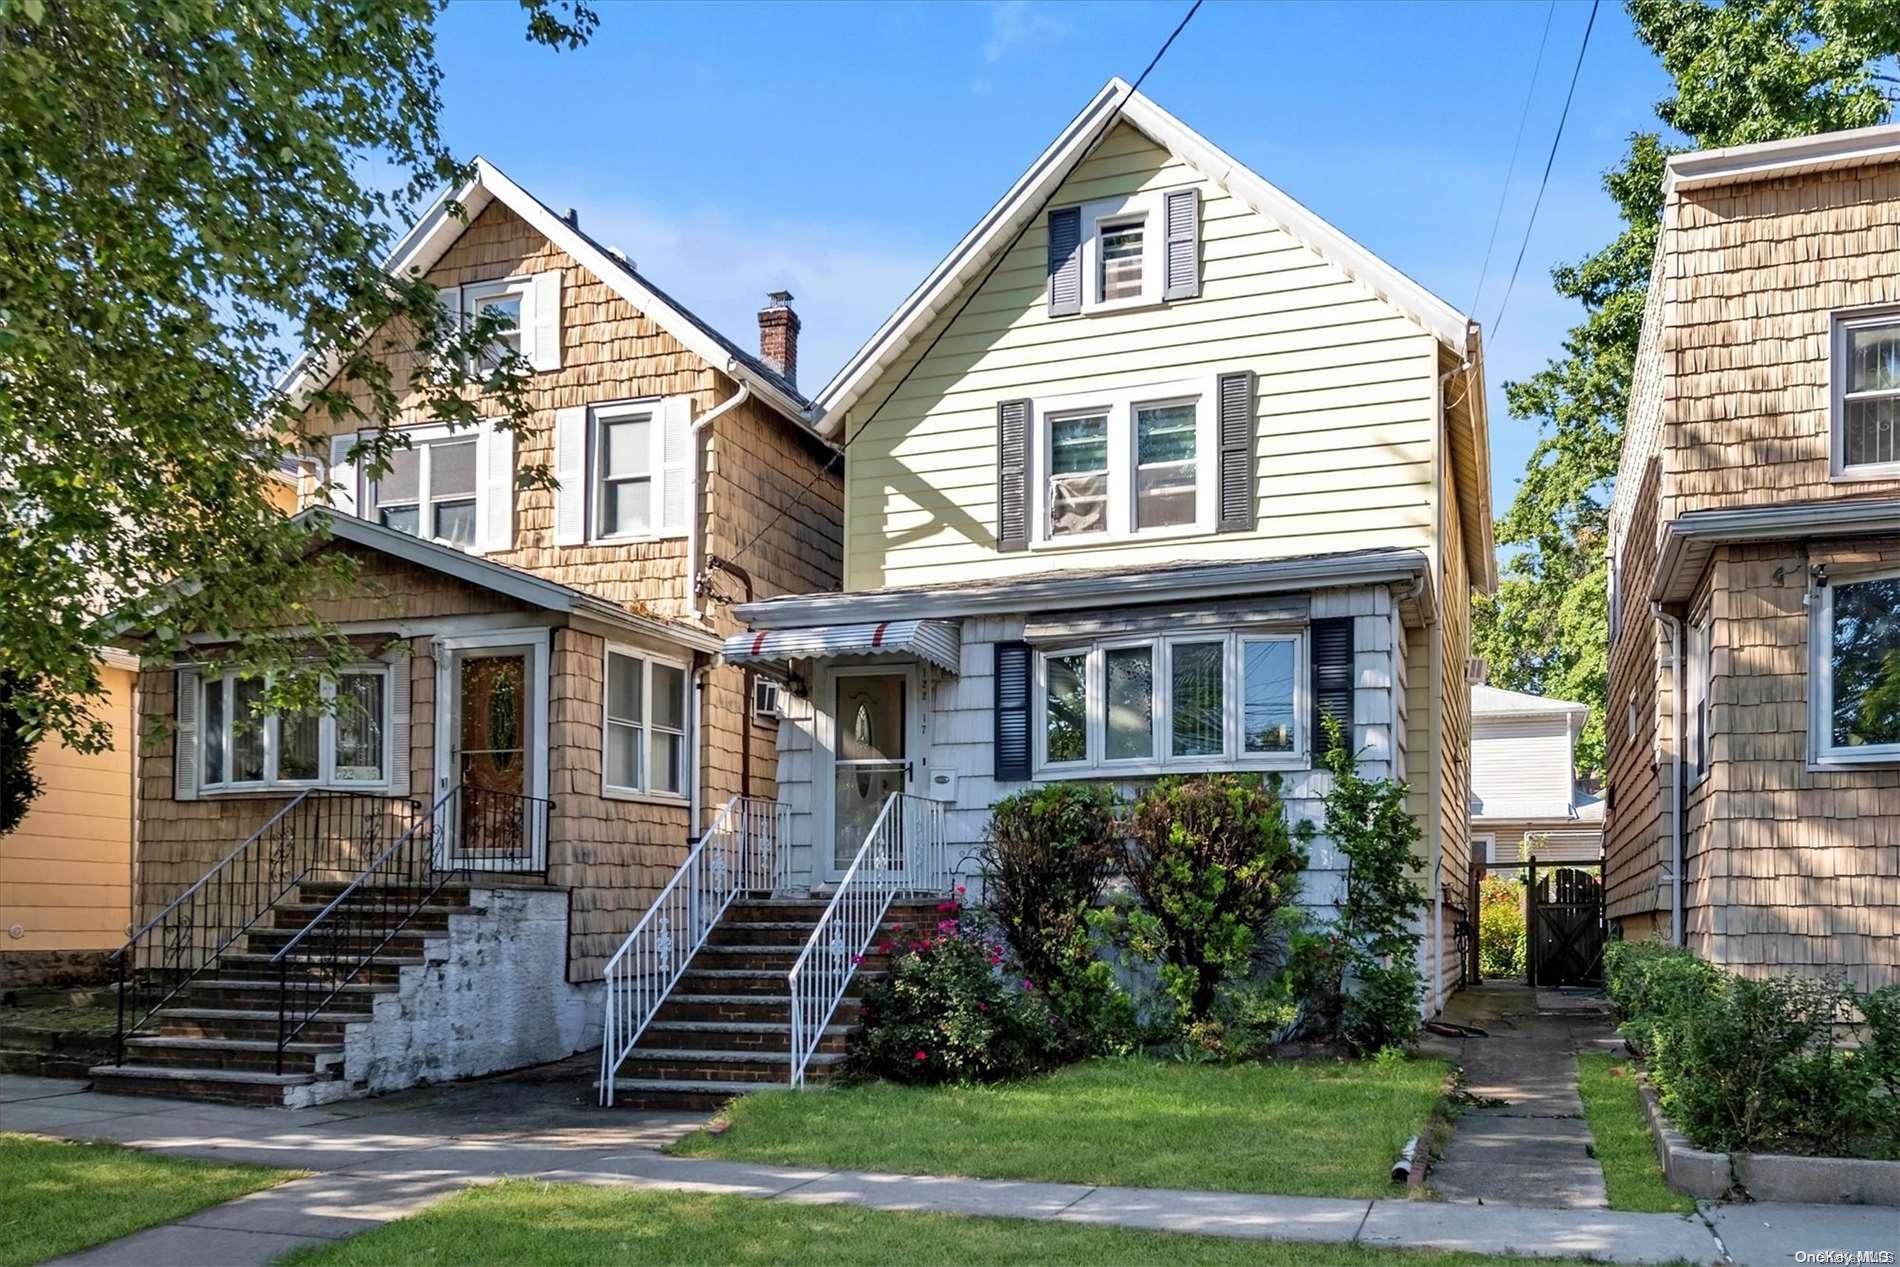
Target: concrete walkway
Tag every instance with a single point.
(381, 1159)
(1524, 1140)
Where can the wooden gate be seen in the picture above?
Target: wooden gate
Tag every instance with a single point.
(1566, 923)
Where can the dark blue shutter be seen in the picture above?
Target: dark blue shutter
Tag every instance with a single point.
(1012, 711)
(1065, 262)
(1012, 475)
(1332, 677)
(1235, 442)
(1184, 244)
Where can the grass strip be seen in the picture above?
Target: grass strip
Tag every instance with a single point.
(1614, 1108)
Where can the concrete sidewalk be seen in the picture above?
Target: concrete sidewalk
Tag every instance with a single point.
(381, 1159)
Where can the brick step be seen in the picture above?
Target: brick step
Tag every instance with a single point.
(764, 932)
(681, 1094)
(315, 967)
(705, 1065)
(207, 1022)
(754, 1036)
(454, 894)
(222, 1086)
(252, 995)
(703, 980)
(688, 1007)
(289, 917)
(410, 941)
(256, 1055)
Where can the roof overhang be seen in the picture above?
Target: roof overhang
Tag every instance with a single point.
(1690, 539)
(1117, 102)
(1076, 589)
(449, 216)
(935, 642)
(1771, 160)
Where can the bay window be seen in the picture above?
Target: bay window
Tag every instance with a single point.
(644, 726)
(1190, 701)
(1857, 669)
(345, 744)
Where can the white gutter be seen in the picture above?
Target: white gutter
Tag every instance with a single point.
(695, 547)
(1676, 780)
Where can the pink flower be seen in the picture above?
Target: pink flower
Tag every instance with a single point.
(946, 908)
(961, 890)
(922, 1056)
(1028, 984)
(982, 1007)
(946, 926)
(857, 959)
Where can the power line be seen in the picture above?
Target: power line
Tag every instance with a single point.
(1510, 171)
(945, 328)
(1562, 119)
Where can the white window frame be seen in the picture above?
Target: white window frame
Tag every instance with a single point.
(646, 791)
(1110, 213)
(1821, 748)
(598, 419)
(421, 441)
(273, 738)
(474, 294)
(1843, 323)
(1699, 635)
(1232, 756)
(1121, 404)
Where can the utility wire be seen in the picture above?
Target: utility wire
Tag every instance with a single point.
(1510, 171)
(945, 328)
(1582, 48)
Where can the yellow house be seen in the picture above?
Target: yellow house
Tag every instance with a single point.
(66, 871)
(1152, 473)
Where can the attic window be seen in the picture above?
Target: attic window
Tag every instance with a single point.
(1121, 259)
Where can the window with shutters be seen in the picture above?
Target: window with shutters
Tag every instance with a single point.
(1866, 396)
(526, 309)
(1129, 252)
(637, 470)
(508, 302)
(1133, 463)
(1202, 701)
(643, 726)
(345, 745)
(430, 489)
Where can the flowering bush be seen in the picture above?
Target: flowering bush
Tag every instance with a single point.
(1503, 939)
(951, 1010)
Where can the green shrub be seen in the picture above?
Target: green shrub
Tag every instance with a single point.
(1503, 939)
(1647, 980)
(1880, 1048)
(1047, 853)
(946, 1012)
(1211, 858)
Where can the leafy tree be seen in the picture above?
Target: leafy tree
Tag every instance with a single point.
(181, 203)
(18, 783)
(1747, 70)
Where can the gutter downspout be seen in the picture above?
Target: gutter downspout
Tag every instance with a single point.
(1676, 772)
(715, 563)
(695, 545)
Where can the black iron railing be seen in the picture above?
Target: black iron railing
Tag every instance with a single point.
(463, 833)
(317, 835)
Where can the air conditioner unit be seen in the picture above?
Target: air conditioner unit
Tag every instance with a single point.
(765, 699)
(1476, 671)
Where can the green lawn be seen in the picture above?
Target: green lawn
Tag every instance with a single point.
(57, 1197)
(522, 1221)
(1305, 1129)
(1631, 1172)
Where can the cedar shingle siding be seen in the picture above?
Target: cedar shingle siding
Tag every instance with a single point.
(1788, 867)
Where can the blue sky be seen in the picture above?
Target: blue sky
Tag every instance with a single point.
(838, 150)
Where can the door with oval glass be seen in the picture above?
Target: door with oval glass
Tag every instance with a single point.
(873, 753)
(490, 755)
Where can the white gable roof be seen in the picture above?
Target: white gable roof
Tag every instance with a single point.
(1493, 701)
(1117, 101)
(429, 239)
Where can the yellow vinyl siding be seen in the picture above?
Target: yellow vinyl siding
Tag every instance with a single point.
(66, 871)
(1344, 397)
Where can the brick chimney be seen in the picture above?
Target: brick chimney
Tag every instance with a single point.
(778, 335)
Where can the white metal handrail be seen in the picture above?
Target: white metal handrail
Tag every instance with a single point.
(741, 852)
(906, 850)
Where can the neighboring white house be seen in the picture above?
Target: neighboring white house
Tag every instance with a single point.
(1523, 780)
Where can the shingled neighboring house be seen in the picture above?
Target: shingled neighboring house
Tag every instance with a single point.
(428, 881)
(1754, 728)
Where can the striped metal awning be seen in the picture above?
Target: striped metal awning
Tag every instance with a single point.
(934, 641)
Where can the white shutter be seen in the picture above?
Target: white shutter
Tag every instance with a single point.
(544, 342)
(344, 475)
(399, 756)
(451, 298)
(494, 488)
(676, 464)
(185, 737)
(570, 471)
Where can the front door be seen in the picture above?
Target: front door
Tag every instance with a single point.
(872, 755)
(489, 757)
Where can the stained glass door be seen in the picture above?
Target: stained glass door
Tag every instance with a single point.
(490, 757)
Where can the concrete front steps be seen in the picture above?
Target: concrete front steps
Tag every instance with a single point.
(726, 1027)
(216, 1040)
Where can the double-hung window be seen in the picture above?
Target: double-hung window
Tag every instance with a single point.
(624, 470)
(345, 745)
(1865, 426)
(525, 310)
(1123, 464)
(430, 489)
(644, 726)
(508, 303)
(1857, 668)
(1123, 252)
(624, 464)
(1197, 701)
